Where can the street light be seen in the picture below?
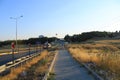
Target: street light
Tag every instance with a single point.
(56, 37)
(16, 19)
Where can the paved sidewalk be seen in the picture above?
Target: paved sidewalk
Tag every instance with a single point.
(66, 68)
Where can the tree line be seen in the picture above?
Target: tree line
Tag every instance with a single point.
(75, 38)
(32, 41)
(89, 35)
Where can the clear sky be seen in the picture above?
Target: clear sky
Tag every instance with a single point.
(48, 17)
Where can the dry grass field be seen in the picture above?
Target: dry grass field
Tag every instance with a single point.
(35, 69)
(102, 56)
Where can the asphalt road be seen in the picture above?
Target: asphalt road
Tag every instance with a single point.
(66, 68)
(7, 58)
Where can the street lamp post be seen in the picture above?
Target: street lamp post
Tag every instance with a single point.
(56, 37)
(16, 20)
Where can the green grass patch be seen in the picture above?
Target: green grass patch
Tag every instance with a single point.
(51, 76)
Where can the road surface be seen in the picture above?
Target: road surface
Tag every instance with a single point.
(66, 68)
(7, 58)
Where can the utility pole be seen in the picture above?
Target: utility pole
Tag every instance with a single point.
(16, 20)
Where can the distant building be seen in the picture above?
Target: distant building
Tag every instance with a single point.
(41, 36)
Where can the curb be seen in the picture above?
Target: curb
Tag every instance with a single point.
(95, 75)
(50, 68)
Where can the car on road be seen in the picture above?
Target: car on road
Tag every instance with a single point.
(46, 45)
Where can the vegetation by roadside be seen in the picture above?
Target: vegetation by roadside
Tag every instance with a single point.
(92, 35)
(51, 76)
(101, 56)
(34, 69)
(6, 44)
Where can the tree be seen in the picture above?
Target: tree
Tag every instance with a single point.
(67, 38)
(87, 35)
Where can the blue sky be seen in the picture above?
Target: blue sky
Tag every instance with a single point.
(48, 17)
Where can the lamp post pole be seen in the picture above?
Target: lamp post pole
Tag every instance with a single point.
(16, 20)
(16, 35)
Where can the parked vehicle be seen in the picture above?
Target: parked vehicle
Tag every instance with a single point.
(47, 45)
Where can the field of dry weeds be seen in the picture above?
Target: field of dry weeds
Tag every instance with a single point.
(102, 56)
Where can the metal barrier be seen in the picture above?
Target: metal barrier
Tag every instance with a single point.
(17, 62)
(2, 68)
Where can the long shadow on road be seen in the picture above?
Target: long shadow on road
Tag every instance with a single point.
(66, 68)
